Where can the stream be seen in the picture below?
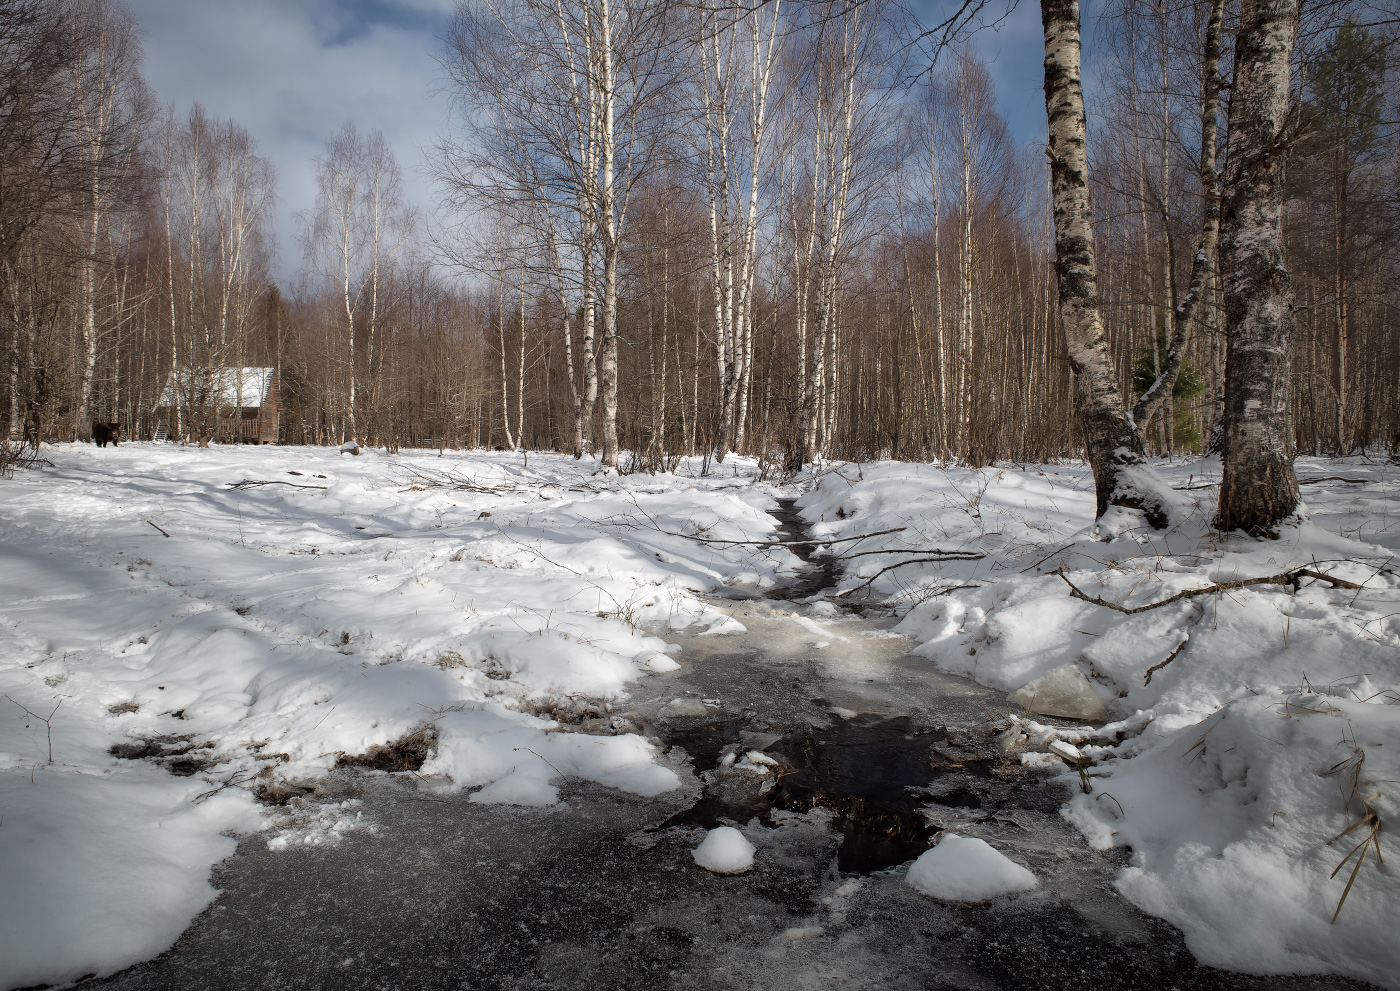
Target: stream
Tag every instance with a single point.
(873, 753)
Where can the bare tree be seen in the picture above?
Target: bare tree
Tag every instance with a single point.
(111, 114)
(1258, 488)
(739, 51)
(358, 227)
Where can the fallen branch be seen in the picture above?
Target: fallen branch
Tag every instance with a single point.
(1333, 478)
(163, 533)
(918, 560)
(1286, 578)
(807, 542)
(896, 550)
(1147, 678)
(249, 483)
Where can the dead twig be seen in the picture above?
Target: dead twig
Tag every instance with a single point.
(1333, 478)
(807, 541)
(249, 483)
(162, 531)
(893, 550)
(918, 560)
(48, 725)
(541, 757)
(1147, 678)
(1047, 557)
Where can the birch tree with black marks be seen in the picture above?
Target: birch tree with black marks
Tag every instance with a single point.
(1111, 440)
(1258, 489)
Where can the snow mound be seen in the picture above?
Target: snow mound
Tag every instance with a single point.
(966, 869)
(724, 851)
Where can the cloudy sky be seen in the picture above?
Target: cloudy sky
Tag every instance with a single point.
(291, 71)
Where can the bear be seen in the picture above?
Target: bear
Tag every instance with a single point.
(104, 432)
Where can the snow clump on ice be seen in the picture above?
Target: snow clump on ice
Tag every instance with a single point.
(724, 851)
(966, 869)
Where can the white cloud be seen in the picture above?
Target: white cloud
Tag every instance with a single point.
(291, 72)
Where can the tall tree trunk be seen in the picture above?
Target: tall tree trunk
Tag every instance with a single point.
(1110, 442)
(1341, 342)
(1258, 489)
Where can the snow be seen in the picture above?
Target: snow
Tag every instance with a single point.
(966, 869)
(277, 628)
(1234, 771)
(724, 850)
(261, 631)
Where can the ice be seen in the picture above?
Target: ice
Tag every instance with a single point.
(1064, 692)
(685, 709)
(966, 869)
(724, 851)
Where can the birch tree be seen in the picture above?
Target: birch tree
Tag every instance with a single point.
(1258, 488)
(839, 120)
(739, 50)
(352, 237)
(1111, 442)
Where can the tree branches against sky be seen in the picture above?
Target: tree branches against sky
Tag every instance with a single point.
(292, 71)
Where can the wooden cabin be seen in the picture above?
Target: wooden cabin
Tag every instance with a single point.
(246, 402)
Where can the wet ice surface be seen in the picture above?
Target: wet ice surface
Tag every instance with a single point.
(873, 753)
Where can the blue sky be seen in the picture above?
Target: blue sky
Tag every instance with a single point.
(291, 71)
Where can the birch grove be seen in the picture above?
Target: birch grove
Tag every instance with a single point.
(772, 229)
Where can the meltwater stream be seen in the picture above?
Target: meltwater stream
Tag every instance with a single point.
(873, 753)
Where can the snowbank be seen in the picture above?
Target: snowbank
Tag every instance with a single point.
(246, 617)
(1252, 736)
(966, 869)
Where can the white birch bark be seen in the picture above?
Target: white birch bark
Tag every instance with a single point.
(1110, 441)
(1258, 489)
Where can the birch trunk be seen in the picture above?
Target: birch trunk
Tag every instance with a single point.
(1111, 443)
(1258, 489)
(607, 213)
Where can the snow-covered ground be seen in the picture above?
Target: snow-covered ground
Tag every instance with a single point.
(1248, 772)
(251, 636)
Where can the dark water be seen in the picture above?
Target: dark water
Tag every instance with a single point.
(862, 770)
(821, 571)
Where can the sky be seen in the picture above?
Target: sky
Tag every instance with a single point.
(292, 71)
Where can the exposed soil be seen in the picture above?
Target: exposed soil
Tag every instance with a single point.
(405, 754)
(179, 755)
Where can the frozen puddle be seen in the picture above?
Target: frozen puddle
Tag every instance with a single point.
(811, 731)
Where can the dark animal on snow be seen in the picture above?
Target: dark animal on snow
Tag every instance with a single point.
(104, 432)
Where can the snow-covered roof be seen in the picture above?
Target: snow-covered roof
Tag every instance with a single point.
(246, 387)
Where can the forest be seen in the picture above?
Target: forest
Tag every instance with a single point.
(769, 517)
(793, 229)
